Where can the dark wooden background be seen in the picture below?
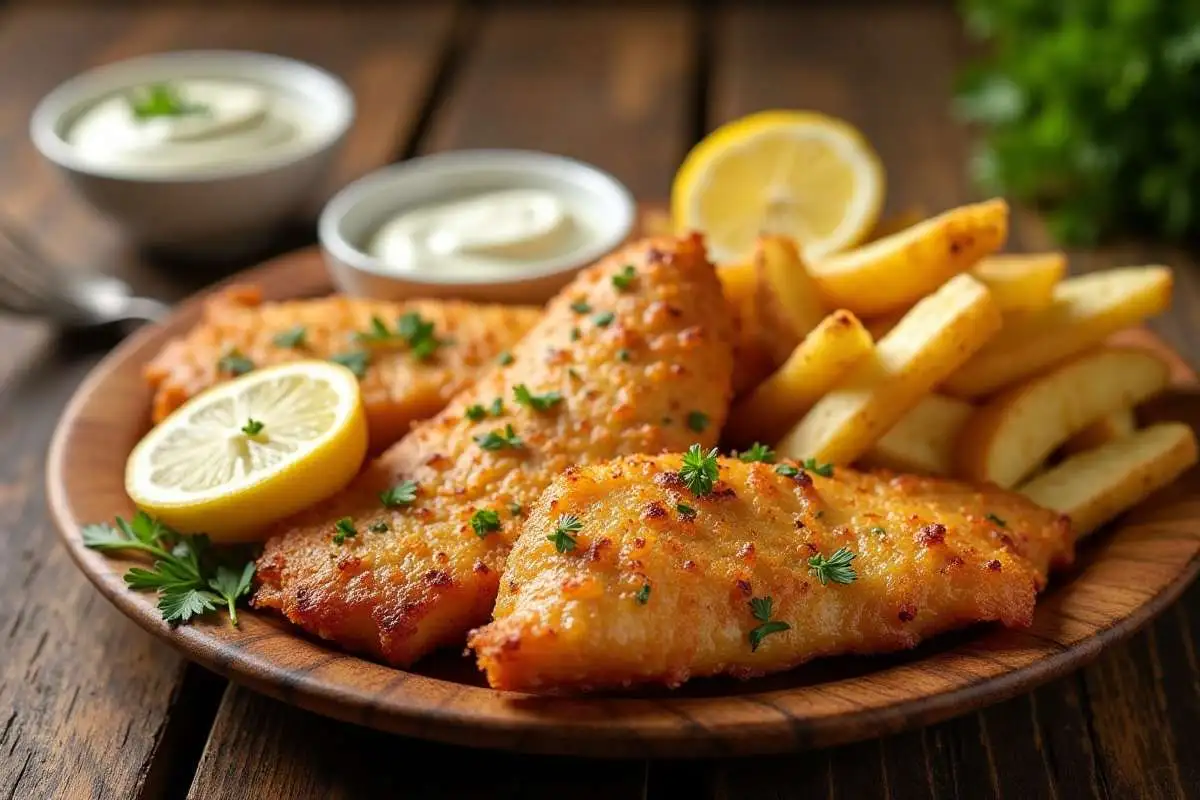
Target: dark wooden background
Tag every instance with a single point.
(90, 706)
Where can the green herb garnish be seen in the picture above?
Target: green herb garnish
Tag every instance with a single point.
(188, 577)
(411, 329)
(378, 526)
(603, 319)
(623, 355)
(292, 338)
(497, 407)
(623, 279)
(500, 440)
(235, 363)
(763, 608)
(787, 470)
(354, 360)
(697, 421)
(581, 307)
(538, 402)
(685, 510)
(836, 568)
(402, 494)
(161, 100)
(700, 470)
(252, 427)
(476, 412)
(564, 527)
(992, 518)
(643, 595)
(824, 470)
(757, 452)
(484, 521)
(344, 529)
(505, 359)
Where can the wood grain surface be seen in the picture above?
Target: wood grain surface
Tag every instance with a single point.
(1125, 726)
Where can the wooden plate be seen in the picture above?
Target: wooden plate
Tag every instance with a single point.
(1124, 577)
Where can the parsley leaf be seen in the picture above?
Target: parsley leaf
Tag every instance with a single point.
(505, 359)
(497, 407)
(538, 402)
(230, 585)
(411, 328)
(623, 279)
(476, 412)
(623, 355)
(992, 518)
(685, 510)
(758, 452)
(836, 568)
(580, 307)
(787, 470)
(500, 440)
(603, 319)
(643, 595)
(161, 100)
(824, 470)
(293, 337)
(564, 527)
(700, 470)
(354, 360)
(253, 427)
(234, 362)
(402, 494)
(697, 421)
(183, 604)
(484, 521)
(762, 608)
(344, 529)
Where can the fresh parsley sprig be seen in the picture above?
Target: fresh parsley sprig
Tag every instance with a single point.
(161, 100)
(757, 452)
(402, 494)
(700, 470)
(412, 329)
(836, 568)
(190, 579)
(564, 528)
(500, 440)
(824, 470)
(538, 402)
(763, 609)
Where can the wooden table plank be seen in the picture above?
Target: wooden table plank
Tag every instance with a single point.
(618, 97)
(89, 704)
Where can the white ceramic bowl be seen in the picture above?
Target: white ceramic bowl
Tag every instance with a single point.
(354, 215)
(219, 210)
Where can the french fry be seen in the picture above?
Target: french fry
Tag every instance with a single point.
(739, 282)
(1102, 431)
(1095, 486)
(1008, 438)
(896, 223)
(788, 302)
(932, 341)
(1085, 311)
(753, 355)
(1023, 282)
(825, 355)
(896, 271)
(880, 327)
(923, 440)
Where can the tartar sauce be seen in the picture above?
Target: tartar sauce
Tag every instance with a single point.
(493, 232)
(187, 126)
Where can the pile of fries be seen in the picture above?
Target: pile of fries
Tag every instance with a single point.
(925, 351)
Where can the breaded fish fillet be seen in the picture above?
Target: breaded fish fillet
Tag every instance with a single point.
(398, 388)
(663, 585)
(632, 357)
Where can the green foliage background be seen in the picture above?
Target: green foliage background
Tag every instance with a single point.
(1090, 109)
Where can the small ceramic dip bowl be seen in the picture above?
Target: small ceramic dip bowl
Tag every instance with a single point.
(196, 152)
(602, 209)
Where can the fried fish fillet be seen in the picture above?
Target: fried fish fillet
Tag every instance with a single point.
(398, 388)
(632, 357)
(663, 585)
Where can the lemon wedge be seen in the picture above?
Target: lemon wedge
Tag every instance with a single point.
(252, 451)
(793, 173)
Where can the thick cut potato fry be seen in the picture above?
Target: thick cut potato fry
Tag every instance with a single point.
(738, 282)
(1085, 311)
(1022, 282)
(880, 327)
(825, 355)
(896, 271)
(1102, 431)
(932, 341)
(754, 361)
(1093, 487)
(923, 440)
(1009, 437)
(789, 304)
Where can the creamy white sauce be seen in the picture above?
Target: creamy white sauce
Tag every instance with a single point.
(489, 233)
(231, 123)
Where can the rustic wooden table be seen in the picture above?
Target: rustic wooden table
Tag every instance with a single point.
(91, 706)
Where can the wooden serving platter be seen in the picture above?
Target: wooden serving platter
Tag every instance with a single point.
(1124, 577)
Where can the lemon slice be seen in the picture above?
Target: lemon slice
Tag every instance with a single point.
(252, 451)
(793, 173)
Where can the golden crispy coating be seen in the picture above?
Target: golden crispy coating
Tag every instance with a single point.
(631, 365)
(398, 389)
(654, 593)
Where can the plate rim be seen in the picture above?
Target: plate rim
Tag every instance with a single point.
(597, 726)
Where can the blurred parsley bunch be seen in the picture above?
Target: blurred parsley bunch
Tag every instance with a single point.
(1091, 110)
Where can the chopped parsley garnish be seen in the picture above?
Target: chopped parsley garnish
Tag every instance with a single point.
(878, 531)
(697, 421)
(378, 526)
(161, 100)
(992, 518)
(378, 333)
(515, 508)
(354, 360)
(411, 328)
(581, 307)
(564, 527)
(252, 427)
(603, 319)
(235, 363)
(623, 355)
(757, 452)
(685, 510)
(484, 521)
(700, 470)
(344, 529)
(497, 407)
(402, 494)
(538, 402)
(623, 279)
(189, 579)
(575, 334)
(763, 608)
(824, 470)
(476, 412)
(505, 359)
(643, 594)
(787, 470)
(499, 440)
(293, 337)
(836, 568)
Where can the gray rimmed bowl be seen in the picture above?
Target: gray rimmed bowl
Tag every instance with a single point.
(221, 210)
(356, 213)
